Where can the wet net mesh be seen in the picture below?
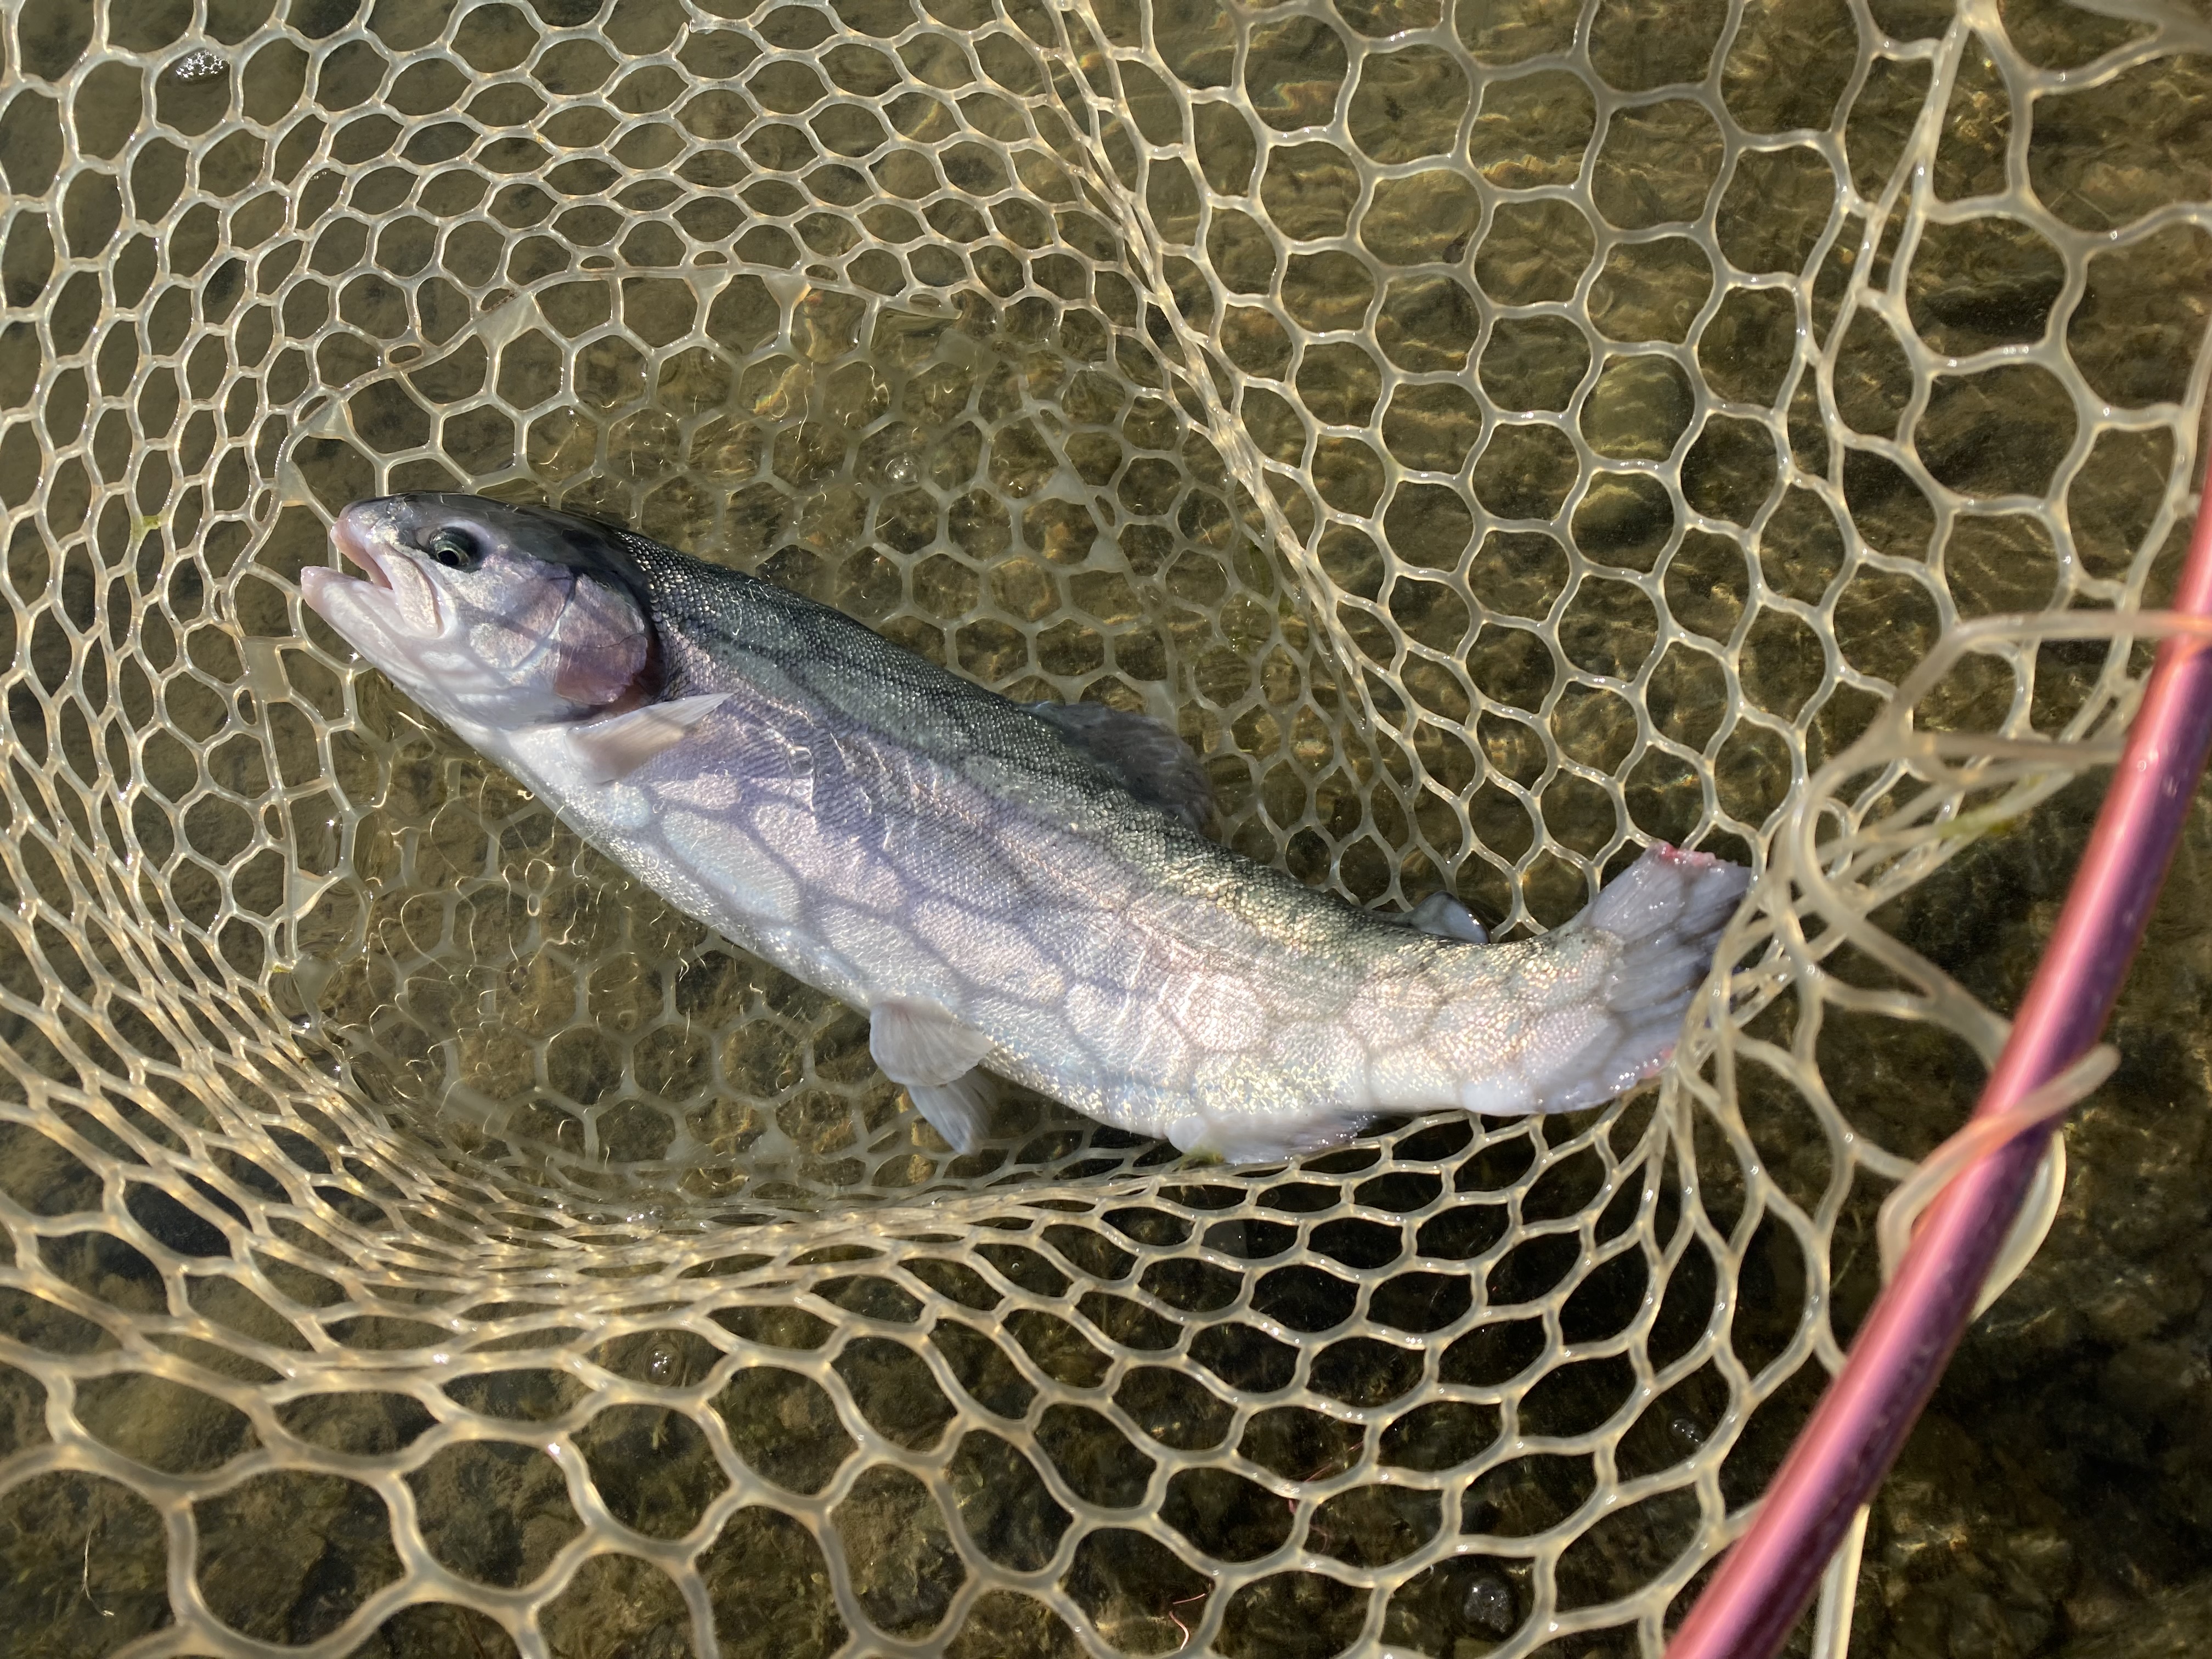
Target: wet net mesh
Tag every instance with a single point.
(1495, 439)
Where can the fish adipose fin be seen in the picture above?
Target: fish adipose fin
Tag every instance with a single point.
(1667, 910)
(1155, 764)
(919, 1045)
(1447, 918)
(610, 749)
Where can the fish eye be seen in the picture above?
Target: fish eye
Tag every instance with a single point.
(456, 549)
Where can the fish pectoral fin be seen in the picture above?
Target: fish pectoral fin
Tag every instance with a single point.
(919, 1042)
(1447, 918)
(610, 749)
(959, 1110)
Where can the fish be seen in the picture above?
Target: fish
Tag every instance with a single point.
(1008, 891)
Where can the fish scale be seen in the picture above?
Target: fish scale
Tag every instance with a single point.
(1003, 892)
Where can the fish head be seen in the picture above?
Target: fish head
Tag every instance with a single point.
(502, 615)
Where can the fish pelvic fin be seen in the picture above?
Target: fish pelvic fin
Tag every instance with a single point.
(959, 1110)
(920, 1043)
(921, 1046)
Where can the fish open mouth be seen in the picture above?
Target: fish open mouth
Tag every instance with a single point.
(406, 603)
(348, 537)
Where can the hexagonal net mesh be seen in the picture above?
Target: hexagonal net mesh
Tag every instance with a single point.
(1497, 439)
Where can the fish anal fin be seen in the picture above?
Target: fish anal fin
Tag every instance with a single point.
(611, 749)
(1157, 765)
(959, 1110)
(919, 1043)
(1197, 1136)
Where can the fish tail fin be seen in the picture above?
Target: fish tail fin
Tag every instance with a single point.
(1667, 910)
(1667, 901)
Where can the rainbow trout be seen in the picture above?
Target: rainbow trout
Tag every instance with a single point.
(1005, 888)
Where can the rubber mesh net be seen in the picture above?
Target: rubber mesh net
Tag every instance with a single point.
(1496, 440)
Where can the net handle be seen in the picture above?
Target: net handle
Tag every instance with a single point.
(1769, 1575)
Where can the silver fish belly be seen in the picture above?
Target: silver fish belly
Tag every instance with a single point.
(1004, 889)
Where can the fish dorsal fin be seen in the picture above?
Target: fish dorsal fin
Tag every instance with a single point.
(1155, 764)
(1447, 918)
(919, 1043)
(611, 749)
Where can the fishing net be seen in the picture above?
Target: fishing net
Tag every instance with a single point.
(1495, 439)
